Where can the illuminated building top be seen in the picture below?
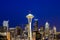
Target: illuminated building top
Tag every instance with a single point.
(47, 25)
(54, 28)
(5, 23)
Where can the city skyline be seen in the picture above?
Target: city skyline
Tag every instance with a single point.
(16, 10)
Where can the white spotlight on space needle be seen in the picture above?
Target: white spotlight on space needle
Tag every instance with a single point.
(29, 17)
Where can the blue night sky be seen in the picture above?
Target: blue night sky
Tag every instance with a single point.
(16, 10)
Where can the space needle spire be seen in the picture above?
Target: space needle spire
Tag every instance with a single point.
(30, 17)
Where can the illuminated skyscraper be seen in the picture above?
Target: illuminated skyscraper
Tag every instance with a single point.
(54, 32)
(6, 24)
(36, 25)
(46, 30)
(42, 31)
(46, 25)
(54, 29)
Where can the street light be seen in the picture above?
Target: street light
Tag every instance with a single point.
(29, 17)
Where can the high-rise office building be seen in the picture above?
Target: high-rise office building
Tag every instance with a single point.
(46, 26)
(54, 32)
(46, 30)
(35, 24)
(19, 30)
(42, 32)
(6, 25)
(35, 29)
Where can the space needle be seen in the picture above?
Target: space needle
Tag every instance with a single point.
(30, 17)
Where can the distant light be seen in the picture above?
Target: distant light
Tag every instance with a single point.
(47, 23)
(54, 28)
(39, 29)
(36, 19)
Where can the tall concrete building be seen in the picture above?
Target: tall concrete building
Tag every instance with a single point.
(54, 32)
(46, 30)
(46, 25)
(35, 24)
(6, 25)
